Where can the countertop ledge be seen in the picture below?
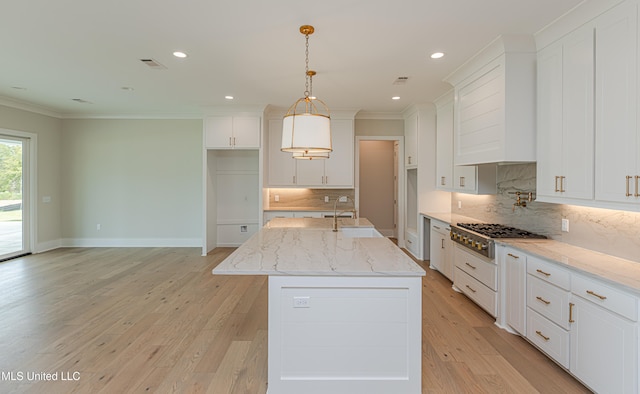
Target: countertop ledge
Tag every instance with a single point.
(614, 270)
(309, 247)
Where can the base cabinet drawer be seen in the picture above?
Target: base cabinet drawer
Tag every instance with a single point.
(486, 298)
(550, 338)
(548, 300)
(484, 271)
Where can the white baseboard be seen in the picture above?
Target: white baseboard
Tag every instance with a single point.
(131, 242)
(42, 247)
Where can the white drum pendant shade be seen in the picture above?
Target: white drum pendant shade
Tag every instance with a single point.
(306, 133)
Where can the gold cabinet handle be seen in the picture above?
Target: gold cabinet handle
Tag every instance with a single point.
(230, 142)
(562, 184)
(442, 180)
(636, 193)
(571, 305)
(468, 287)
(591, 292)
(627, 194)
(543, 300)
(555, 186)
(542, 336)
(442, 240)
(513, 255)
(462, 181)
(543, 273)
(469, 265)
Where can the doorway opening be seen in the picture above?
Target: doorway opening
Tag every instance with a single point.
(377, 183)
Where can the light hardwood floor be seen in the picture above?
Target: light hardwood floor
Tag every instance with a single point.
(146, 320)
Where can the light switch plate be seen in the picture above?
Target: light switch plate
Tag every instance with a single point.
(565, 225)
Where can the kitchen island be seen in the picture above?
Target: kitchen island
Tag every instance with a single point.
(344, 307)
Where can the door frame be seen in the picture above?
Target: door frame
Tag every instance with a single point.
(400, 179)
(30, 238)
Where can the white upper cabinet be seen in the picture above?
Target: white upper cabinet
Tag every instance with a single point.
(282, 167)
(335, 172)
(232, 132)
(411, 141)
(565, 118)
(464, 179)
(588, 138)
(617, 138)
(444, 142)
(494, 110)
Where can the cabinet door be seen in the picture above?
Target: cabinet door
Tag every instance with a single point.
(616, 103)
(339, 168)
(310, 172)
(604, 349)
(282, 167)
(444, 146)
(464, 178)
(246, 132)
(218, 132)
(436, 248)
(577, 116)
(549, 136)
(411, 141)
(516, 289)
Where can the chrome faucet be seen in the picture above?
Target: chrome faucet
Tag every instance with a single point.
(336, 213)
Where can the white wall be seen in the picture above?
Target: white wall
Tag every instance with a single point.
(379, 127)
(48, 130)
(141, 180)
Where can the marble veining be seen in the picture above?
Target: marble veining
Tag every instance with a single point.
(316, 251)
(604, 230)
(615, 270)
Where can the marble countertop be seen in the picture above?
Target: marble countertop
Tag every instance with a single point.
(309, 247)
(617, 271)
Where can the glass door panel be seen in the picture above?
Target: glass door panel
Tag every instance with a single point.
(13, 233)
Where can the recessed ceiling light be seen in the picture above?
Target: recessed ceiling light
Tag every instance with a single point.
(228, 97)
(395, 98)
(179, 54)
(437, 55)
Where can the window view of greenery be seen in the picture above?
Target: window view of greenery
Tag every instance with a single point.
(10, 196)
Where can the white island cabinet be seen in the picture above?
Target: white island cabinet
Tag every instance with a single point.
(344, 307)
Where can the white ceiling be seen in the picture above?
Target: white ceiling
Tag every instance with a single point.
(57, 51)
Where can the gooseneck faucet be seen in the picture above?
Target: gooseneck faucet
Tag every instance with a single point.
(336, 213)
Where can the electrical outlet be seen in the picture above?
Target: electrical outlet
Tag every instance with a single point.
(276, 197)
(565, 225)
(98, 227)
(326, 198)
(459, 204)
(301, 302)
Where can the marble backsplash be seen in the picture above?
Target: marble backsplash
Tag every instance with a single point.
(305, 198)
(608, 231)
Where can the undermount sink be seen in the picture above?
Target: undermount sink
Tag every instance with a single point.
(360, 232)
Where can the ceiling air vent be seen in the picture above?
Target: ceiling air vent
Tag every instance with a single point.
(401, 81)
(152, 63)
(81, 101)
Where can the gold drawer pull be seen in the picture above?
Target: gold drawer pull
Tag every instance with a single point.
(543, 337)
(470, 288)
(469, 265)
(571, 305)
(543, 273)
(555, 188)
(627, 194)
(636, 193)
(513, 255)
(596, 295)
(543, 300)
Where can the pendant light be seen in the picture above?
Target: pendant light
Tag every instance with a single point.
(306, 127)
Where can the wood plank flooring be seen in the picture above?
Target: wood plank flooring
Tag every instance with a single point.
(141, 320)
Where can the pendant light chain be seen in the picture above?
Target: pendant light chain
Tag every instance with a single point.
(306, 67)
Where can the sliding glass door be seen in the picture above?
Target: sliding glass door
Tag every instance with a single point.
(14, 190)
